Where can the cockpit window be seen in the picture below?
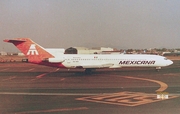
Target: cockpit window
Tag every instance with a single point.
(165, 59)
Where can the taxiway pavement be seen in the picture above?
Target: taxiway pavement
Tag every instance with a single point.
(28, 88)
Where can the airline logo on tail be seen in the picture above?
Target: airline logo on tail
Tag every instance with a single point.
(32, 50)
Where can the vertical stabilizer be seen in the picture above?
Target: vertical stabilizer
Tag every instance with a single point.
(34, 52)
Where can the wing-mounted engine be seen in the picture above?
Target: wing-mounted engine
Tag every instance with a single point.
(54, 60)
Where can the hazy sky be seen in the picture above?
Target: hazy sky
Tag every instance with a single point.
(92, 23)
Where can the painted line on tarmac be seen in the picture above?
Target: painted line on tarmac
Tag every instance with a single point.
(49, 94)
(10, 78)
(4, 69)
(44, 74)
(125, 98)
(170, 74)
(29, 70)
(57, 69)
(67, 94)
(163, 86)
(39, 76)
(62, 79)
(53, 110)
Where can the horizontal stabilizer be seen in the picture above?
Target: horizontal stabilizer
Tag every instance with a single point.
(14, 40)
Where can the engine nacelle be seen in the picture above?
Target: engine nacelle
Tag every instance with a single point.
(54, 60)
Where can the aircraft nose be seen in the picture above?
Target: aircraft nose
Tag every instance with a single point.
(170, 62)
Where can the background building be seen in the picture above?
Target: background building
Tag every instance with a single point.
(84, 50)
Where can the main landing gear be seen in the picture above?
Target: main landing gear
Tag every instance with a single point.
(88, 70)
(158, 69)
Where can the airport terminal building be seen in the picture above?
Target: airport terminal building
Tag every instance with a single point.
(84, 50)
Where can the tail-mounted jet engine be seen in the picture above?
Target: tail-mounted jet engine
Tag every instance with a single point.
(53, 60)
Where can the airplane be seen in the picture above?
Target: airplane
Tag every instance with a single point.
(38, 55)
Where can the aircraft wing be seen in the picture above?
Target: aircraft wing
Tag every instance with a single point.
(95, 65)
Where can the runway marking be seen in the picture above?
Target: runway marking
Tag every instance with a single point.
(57, 69)
(163, 86)
(129, 98)
(170, 74)
(44, 74)
(4, 69)
(121, 98)
(10, 78)
(62, 79)
(47, 94)
(40, 76)
(29, 70)
(53, 110)
(124, 98)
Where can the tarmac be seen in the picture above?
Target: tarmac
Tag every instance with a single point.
(33, 89)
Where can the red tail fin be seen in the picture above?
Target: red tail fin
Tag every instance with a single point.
(33, 51)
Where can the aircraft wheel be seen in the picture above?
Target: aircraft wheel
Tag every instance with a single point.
(88, 71)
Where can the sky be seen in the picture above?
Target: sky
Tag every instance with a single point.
(121, 24)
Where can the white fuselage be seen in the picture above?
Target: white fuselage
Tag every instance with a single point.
(113, 61)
